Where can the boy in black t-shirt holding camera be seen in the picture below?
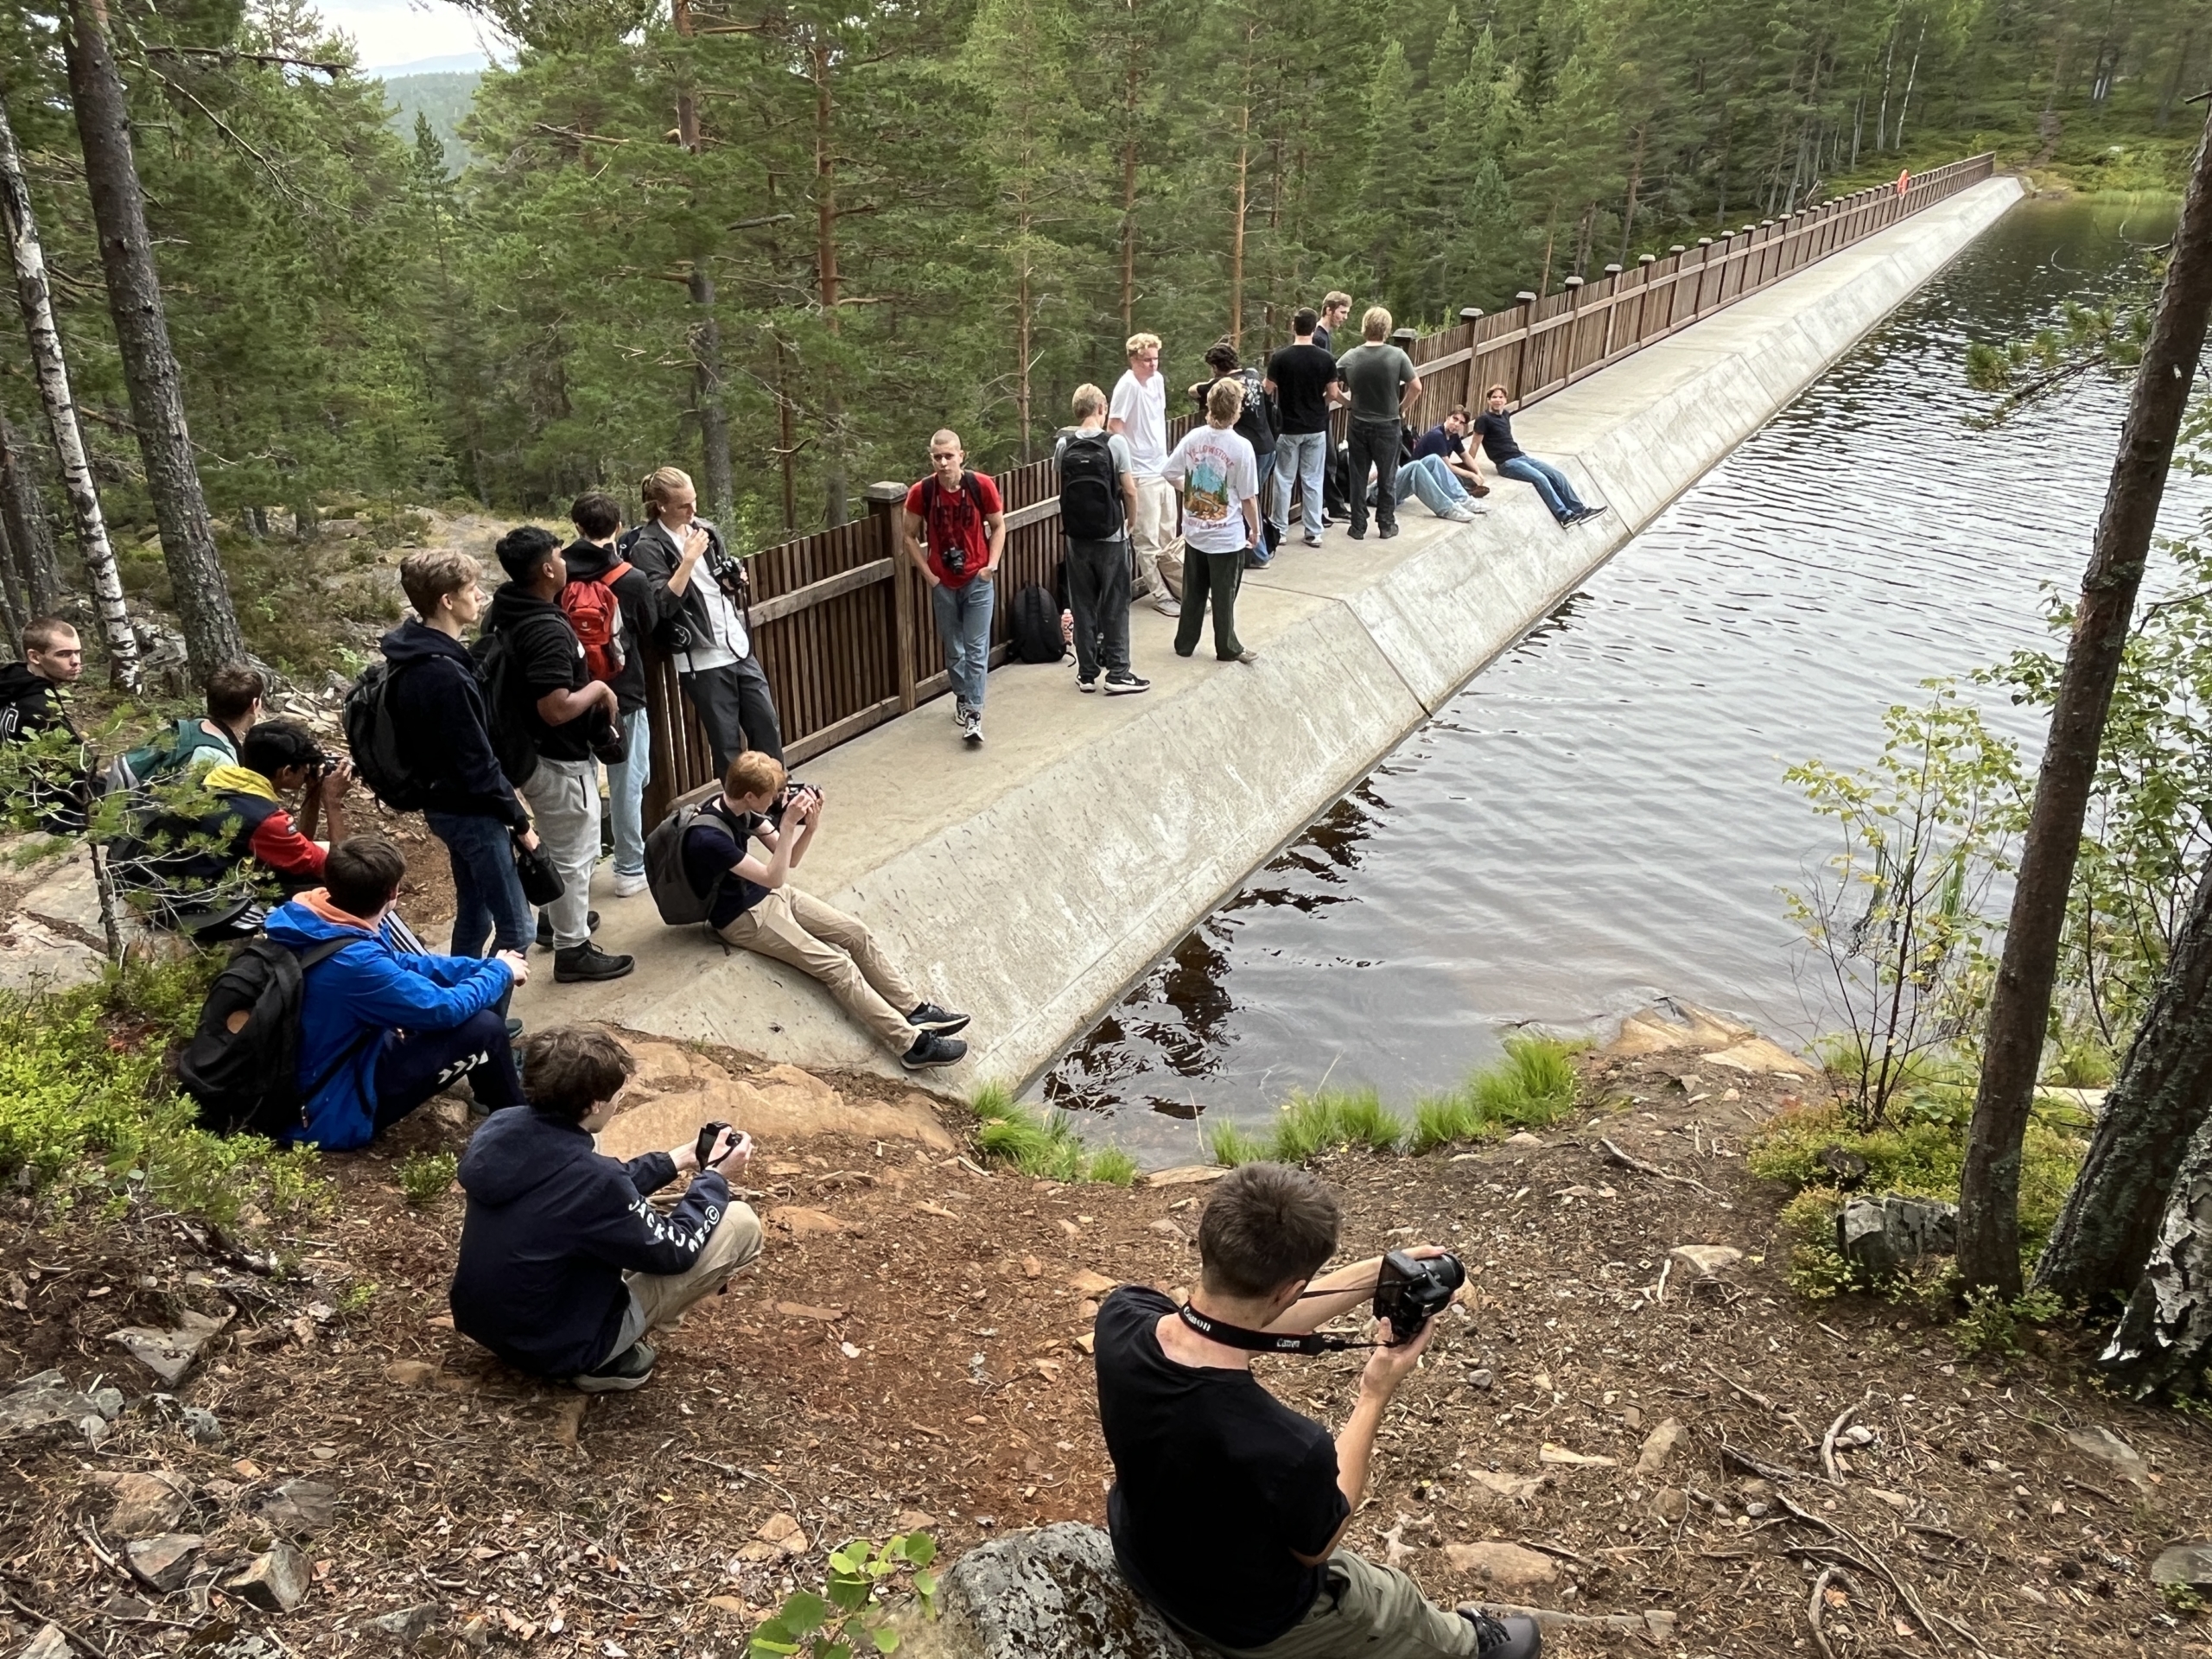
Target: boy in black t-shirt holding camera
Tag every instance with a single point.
(1228, 1508)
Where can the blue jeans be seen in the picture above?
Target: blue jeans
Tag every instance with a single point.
(1302, 456)
(1431, 480)
(963, 622)
(1550, 483)
(486, 891)
(625, 793)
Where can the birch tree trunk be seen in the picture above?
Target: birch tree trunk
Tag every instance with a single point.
(2165, 1340)
(2164, 1091)
(52, 371)
(28, 530)
(150, 367)
(2019, 1003)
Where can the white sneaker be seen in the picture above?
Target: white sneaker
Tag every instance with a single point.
(971, 728)
(629, 886)
(1166, 606)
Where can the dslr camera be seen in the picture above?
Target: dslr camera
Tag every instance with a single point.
(792, 790)
(1411, 1291)
(953, 557)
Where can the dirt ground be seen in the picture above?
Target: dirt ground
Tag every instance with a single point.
(917, 1359)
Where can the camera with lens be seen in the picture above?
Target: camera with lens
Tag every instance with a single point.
(953, 557)
(709, 1133)
(1410, 1291)
(792, 790)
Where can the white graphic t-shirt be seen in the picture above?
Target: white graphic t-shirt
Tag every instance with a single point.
(1218, 474)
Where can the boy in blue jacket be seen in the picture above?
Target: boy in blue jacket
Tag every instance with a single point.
(564, 1265)
(382, 1029)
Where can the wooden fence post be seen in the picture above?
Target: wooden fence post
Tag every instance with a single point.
(1526, 302)
(885, 502)
(1471, 318)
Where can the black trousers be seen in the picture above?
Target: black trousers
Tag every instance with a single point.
(737, 708)
(1211, 578)
(1098, 595)
(415, 1065)
(1374, 444)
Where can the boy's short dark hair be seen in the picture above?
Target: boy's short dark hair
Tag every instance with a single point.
(521, 551)
(276, 744)
(1306, 321)
(1266, 1225)
(363, 874)
(568, 1070)
(597, 515)
(233, 691)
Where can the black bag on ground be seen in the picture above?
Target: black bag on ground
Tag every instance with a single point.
(242, 1066)
(1090, 492)
(1036, 629)
(679, 903)
(1336, 481)
(379, 760)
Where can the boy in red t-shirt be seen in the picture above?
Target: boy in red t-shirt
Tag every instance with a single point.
(958, 512)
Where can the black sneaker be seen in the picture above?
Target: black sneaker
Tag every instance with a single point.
(545, 927)
(514, 1028)
(1122, 684)
(587, 962)
(1356, 535)
(1592, 513)
(931, 1050)
(929, 1017)
(1387, 531)
(1083, 684)
(631, 1369)
(1516, 1637)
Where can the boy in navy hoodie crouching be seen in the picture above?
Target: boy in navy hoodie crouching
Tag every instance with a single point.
(564, 1265)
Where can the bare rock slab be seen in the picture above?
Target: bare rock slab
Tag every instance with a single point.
(407, 1624)
(300, 1506)
(277, 1580)
(1879, 1236)
(1699, 1261)
(1659, 1445)
(2116, 1454)
(1503, 1567)
(169, 1354)
(49, 1644)
(145, 1505)
(161, 1564)
(1051, 1593)
(2187, 1565)
(45, 1401)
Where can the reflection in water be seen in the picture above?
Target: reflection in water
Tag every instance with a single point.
(1600, 818)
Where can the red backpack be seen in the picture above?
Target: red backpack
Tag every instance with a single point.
(589, 604)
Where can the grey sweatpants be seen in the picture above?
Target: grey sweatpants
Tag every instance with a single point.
(564, 800)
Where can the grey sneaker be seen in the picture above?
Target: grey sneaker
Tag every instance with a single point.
(931, 1051)
(1514, 1637)
(1167, 607)
(631, 1369)
(929, 1017)
(971, 728)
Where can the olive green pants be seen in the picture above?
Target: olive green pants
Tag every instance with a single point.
(1366, 1612)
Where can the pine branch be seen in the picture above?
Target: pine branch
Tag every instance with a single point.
(231, 54)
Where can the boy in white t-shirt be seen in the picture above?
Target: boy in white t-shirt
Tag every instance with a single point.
(1139, 413)
(1214, 468)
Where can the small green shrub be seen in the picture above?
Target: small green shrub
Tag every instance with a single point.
(1313, 1124)
(1047, 1147)
(426, 1177)
(1227, 1143)
(849, 1616)
(1114, 1167)
(1440, 1120)
(1991, 1327)
(1532, 1088)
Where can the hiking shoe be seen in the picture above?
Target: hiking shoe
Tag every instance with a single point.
(1387, 531)
(545, 926)
(929, 1017)
(1356, 535)
(587, 962)
(631, 1369)
(1083, 684)
(931, 1050)
(1123, 683)
(971, 728)
(1516, 1637)
(1592, 513)
(629, 886)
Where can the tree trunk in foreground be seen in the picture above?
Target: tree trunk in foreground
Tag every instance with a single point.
(2164, 1091)
(706, 333)
(2019, 1004)
(2165, 1340)
(29, 260)
(25, 515)
(134, 296)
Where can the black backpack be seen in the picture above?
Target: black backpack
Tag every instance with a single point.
(379, 760)
(506, 705)
(242, 1066)
(680, 904)
(1037, 635)
(1091, 490)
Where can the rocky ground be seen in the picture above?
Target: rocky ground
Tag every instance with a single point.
(1614, 1426)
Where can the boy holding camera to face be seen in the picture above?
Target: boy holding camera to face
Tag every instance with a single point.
(564, 1265)
(1228, 1508)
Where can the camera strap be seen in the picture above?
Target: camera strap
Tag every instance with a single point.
(1260, 1342)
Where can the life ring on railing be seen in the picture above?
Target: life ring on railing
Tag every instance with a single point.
(1904, 178)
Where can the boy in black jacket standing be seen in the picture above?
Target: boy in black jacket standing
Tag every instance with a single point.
(568, 716)
(438, 713)
(564, 1266)
(642, 604)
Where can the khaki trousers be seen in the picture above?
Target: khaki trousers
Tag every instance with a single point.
(824, 944)
(658, 1298)
(1157, 530)
(1366, 1612)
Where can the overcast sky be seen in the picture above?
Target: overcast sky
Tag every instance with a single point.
(404, 31)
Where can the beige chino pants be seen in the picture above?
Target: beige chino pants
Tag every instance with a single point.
(1157, 530)
(824, 944)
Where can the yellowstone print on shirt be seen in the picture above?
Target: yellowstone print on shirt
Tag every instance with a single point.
(1205, 492)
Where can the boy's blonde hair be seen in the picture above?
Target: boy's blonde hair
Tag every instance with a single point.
(1376, 325)
(1225, 402)
(752, 773)
(426, 578)
(1089, 401)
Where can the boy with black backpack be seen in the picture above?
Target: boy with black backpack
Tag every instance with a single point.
(1098, 500)
(439, 723)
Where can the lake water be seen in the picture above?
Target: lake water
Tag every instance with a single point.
(1600, 818)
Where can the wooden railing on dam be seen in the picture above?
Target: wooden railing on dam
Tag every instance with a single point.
(841, 619)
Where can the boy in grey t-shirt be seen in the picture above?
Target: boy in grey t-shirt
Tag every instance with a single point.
(1098, 564)
(1384, 385)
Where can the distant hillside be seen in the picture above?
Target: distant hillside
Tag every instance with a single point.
(444, 99)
